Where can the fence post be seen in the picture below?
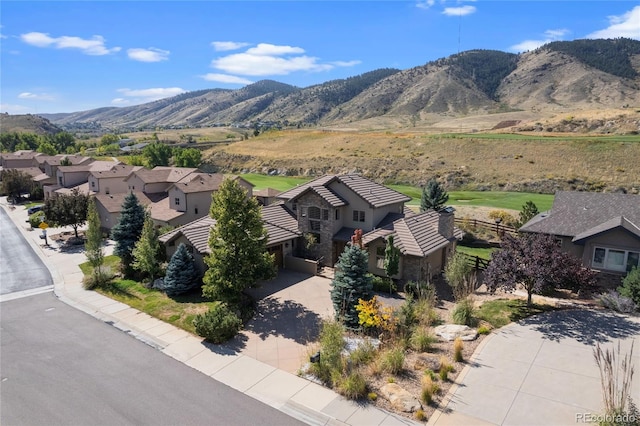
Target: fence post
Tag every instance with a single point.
(477, 263)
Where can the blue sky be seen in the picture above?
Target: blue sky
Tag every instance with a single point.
(65, 56)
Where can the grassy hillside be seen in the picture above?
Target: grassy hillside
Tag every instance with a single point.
(462, 162)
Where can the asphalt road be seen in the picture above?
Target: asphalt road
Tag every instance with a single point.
(60, 366)
(20, 268)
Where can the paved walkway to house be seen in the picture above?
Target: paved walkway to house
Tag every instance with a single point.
(540, 371)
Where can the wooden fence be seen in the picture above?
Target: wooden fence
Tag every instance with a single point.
(476, 262)
(498, 228)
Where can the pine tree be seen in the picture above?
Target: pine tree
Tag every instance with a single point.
(391, 261)
(93, 243)
(433, 196)
(181, 275)
(351, 283)
(127, 231)
(146, 252)
(529, 210)
(238, 241)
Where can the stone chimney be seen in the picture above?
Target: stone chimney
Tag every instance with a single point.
(446, 222)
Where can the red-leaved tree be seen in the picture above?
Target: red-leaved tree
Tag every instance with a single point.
(537, 263)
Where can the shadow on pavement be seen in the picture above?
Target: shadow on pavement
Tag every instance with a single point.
(585, 326)
(285, 318)
(282, 281)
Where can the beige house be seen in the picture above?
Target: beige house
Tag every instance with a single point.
(18, 159)
(158, 179)
(192, 194)
(110, 205)
(602, 229)
(266, 196)
(112, 181)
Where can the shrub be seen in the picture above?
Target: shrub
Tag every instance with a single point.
(631, 285)
(616, 377)
(505, 217)
(217, 325)
(36, 219)
(426, 313)
(459, 275)
(457, 349)
(422, 339)
(372, 396)
(444, 369)
(429, 372)
(613, 300)
(363, 354)
(427, 389)
(372, 315)
(420, 290)
(353, 386)
(420, 416)
(331, 345)
(463, 312)
(483, 329)
(98, 278)
(392, 360)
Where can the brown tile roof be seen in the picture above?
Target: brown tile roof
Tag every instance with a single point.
(267, 192)
(199, 182)
(118, 171)
(31, 171)
(113, 202)
(20, 155)
(279, 222)
(574, 213)
(93, 166)
(416, 235)
(74, 159)
(163, 174)
(83, 188)
(373, 193)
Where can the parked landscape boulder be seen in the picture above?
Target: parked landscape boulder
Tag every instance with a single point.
(450, 332)
(400, 398)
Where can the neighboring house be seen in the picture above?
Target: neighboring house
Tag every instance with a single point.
(266, 196)
(111, 181)
(68, 176)
(18, 159)
(51, 163)
(278, 222)
(602, 229)
(110, 205)
(158, 179)
(192, 194)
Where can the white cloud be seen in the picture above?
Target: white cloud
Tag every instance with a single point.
(148, 95)
(425, 4)
(269, 59)
(148, 55)
(266, 49)
(626, 25)
(223, 46)
(459, 11)
(226, 78)
(549, 36)
(120, 101)
(36, 96)
(94, 46)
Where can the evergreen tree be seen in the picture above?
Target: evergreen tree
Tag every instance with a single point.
(351, 283)
(146, 252)
(181, 275)
(529, 210)
(391, 261)
(238, 241)
(127, 231)
(93, 243)
(433, 196)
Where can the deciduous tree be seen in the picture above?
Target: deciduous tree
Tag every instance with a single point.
(433, 196)
(351, 283)
(15, 182)
(157, 154)
(187, 157)
(67, 209)
(127, 231)
(536, 262)
(238, 242)
(93, 243)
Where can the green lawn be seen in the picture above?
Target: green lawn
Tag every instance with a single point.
(482, 253)
(501, 312)
(179, 310)
(281, 183)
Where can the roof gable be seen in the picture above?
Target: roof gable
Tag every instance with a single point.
(616, 222)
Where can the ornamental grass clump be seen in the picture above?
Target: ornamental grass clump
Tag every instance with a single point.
(457, 349)
(392, 360)
(444, 369)
(422, 339)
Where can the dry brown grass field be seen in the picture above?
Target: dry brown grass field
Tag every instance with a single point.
(541, 163)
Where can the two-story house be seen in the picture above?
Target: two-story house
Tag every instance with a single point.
(158, 179)
(192, 194)
(111, 181)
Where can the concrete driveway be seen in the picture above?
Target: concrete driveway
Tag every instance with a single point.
(540, 371)
(290, 309)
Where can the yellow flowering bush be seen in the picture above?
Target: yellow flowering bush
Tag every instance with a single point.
(372, 315)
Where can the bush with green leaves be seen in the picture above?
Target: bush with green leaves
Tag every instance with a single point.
(613, 300)
(36, 219)
(464, 312)
(218, 325)
(422, 339)
(392, 360)
(330, 365)
(99, 277)
(631, 285)
(353, 385)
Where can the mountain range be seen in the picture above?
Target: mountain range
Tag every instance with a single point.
(557, 77)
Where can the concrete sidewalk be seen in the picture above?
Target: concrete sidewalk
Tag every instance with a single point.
(304, 400)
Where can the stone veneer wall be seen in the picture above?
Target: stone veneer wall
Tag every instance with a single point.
(327, 227)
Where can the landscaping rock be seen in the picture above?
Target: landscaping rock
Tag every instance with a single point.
(450, 332)
(399, 398)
